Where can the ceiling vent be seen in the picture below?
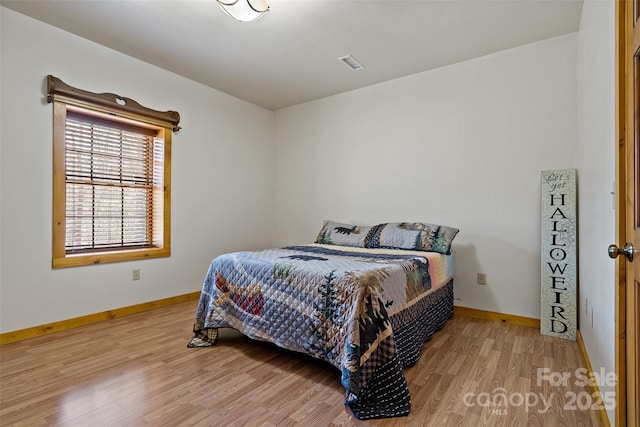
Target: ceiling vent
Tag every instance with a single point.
(352, 62)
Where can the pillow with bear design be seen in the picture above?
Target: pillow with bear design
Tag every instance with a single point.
(337, 233)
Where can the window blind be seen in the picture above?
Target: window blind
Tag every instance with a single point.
(111, 170)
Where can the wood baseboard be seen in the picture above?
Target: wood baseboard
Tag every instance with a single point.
(602, 413)
(89, 319)
(498, 317)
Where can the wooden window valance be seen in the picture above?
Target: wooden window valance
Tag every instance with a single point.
(114, 104)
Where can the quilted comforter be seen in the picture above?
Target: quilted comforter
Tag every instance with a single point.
(365, 311)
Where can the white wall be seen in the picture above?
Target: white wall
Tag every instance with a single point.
(462, 145)
(222, 182)
(596, 163)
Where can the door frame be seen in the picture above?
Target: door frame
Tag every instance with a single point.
(620, 341)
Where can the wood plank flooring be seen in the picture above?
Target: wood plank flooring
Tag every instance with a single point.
(138, 371)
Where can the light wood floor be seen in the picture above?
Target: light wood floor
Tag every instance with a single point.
(138, 371)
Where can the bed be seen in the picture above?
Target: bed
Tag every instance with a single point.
(357, 298)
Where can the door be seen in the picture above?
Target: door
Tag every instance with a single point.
(628, 290)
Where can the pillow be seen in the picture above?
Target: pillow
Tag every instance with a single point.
(412, 235)
(416, 236)
(336, 233)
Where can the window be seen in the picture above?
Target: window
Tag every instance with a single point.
(111, 178)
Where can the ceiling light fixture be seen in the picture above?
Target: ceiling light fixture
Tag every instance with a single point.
(244, 10)
(352, 62)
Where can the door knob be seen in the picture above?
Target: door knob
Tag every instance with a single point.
(627, 250)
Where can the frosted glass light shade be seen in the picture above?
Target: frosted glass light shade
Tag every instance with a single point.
(244, 10)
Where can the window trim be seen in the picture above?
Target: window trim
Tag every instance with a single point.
(108, 108)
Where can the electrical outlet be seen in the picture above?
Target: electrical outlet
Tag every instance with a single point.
(135, 274)
(482, 278)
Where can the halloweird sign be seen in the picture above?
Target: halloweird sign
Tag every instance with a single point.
(558, 314)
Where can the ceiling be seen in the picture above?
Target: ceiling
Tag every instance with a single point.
(289, 56)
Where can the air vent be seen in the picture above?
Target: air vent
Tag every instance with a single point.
(352, 62)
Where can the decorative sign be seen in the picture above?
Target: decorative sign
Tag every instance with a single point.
(558, 314)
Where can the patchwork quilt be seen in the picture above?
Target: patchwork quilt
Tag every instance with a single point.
(366, 311)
